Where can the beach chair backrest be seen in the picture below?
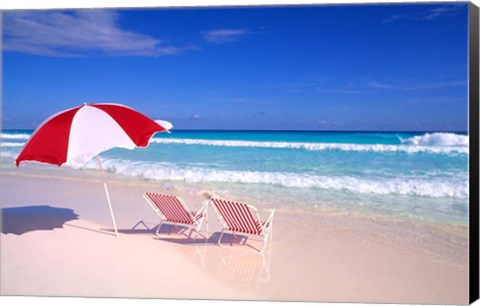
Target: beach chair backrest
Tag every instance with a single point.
(238, 217)
(171, 207)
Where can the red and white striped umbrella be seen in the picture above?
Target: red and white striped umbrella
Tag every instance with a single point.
(76, 135)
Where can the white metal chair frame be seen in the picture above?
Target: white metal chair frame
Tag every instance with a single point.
(196, 220)
(266, 227)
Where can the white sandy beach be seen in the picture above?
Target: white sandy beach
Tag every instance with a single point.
(315, 255)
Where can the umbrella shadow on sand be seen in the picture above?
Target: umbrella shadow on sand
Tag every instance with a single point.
(20, 220)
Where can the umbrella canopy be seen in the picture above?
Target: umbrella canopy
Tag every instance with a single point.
(76, 135)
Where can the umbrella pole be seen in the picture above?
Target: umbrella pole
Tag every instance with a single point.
(108, 195)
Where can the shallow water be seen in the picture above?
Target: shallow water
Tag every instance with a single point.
(418, 176)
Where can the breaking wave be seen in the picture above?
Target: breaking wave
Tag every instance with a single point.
(456, 187)
(14, 136)
(12, 144)
(441, 143)
(438, 139)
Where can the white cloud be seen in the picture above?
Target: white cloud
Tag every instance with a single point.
(327, 123)
(435, 85)
(375, 86)
(76, 33)
(224, 35)
(440, 11)
(410, 86)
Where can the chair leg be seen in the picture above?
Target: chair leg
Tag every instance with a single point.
(181, 230)
(199, 225)
(190, 234)
(158, 228)
(206, 220)
(265, 240)
(138, 223)
(220, 238)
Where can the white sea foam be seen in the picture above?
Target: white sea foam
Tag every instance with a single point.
(406, 147)
(456, 187)
(431, 143)
(12, 144)
(438, 139)
(8, 154)
(14, 136)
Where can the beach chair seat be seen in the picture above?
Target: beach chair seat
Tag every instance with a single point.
(173, 209)
(242, 218)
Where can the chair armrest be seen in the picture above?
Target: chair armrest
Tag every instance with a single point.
(270, 218)
(203, 209)
(267, 224)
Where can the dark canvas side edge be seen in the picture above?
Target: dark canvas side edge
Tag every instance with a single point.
(474, 229)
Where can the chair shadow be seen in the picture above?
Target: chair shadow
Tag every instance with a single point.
(181, 235)
(212, 239)
(165, 229)
(21, 220)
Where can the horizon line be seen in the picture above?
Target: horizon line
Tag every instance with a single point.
(294, 130)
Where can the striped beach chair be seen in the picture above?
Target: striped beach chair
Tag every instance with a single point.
(173, 210)
(242, 218)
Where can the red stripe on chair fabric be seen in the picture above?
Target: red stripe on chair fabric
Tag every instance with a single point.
(262, 223)
(194, 213)
(173, 210)
(227, 215)
(180, 212)
(165, 208)
(238, 217)
(169, 207)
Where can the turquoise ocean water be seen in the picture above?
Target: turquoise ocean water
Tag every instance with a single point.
(419, 176)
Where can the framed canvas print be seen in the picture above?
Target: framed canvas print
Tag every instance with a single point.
(314, 153)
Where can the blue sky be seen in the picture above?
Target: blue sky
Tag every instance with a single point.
(356, 67)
